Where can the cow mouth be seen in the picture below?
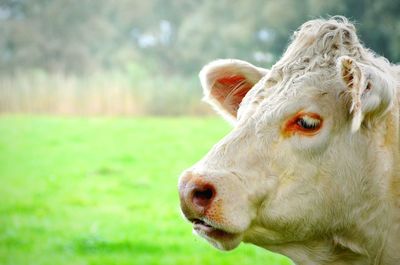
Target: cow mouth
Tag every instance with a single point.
(206, 230)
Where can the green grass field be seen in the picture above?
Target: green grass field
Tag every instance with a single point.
(104, 191)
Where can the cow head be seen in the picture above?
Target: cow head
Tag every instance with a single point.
(310, 153)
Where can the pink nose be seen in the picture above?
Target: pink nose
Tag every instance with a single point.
(196, 195)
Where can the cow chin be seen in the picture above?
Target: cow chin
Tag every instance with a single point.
(220, 239)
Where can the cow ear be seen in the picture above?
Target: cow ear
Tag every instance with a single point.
(371, 91)
(226, 82)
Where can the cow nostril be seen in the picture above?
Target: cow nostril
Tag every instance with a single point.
(203, 196)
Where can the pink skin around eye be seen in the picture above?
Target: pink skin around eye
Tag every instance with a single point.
(291, 126)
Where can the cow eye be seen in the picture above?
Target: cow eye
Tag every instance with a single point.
(308, 123)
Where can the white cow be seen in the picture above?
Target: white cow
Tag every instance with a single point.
(311, 168)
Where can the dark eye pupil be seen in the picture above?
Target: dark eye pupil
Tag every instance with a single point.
(305, 125)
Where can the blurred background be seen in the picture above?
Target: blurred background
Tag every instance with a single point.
(100, 111)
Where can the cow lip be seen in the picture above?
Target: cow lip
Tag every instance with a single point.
(203, 228)
(197, 223)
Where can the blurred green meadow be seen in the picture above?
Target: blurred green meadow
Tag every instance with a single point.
(104, 191)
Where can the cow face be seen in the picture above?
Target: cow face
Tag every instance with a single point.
(298, 163)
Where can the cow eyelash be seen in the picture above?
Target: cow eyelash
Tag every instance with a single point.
(305, 124)
(308, 123)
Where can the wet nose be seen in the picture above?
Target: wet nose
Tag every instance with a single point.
(196, 194)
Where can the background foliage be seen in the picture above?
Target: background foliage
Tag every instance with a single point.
(175, 36)
(142, 47)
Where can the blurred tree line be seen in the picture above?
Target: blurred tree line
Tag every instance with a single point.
(172, 37)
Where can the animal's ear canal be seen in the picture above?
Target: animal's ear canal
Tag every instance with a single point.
(226, 82)
(371, 91)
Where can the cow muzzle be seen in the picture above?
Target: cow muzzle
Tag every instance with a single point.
(203, 204)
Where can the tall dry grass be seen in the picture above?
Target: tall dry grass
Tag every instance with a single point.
(130, 92)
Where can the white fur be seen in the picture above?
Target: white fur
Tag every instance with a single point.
(331, 198)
